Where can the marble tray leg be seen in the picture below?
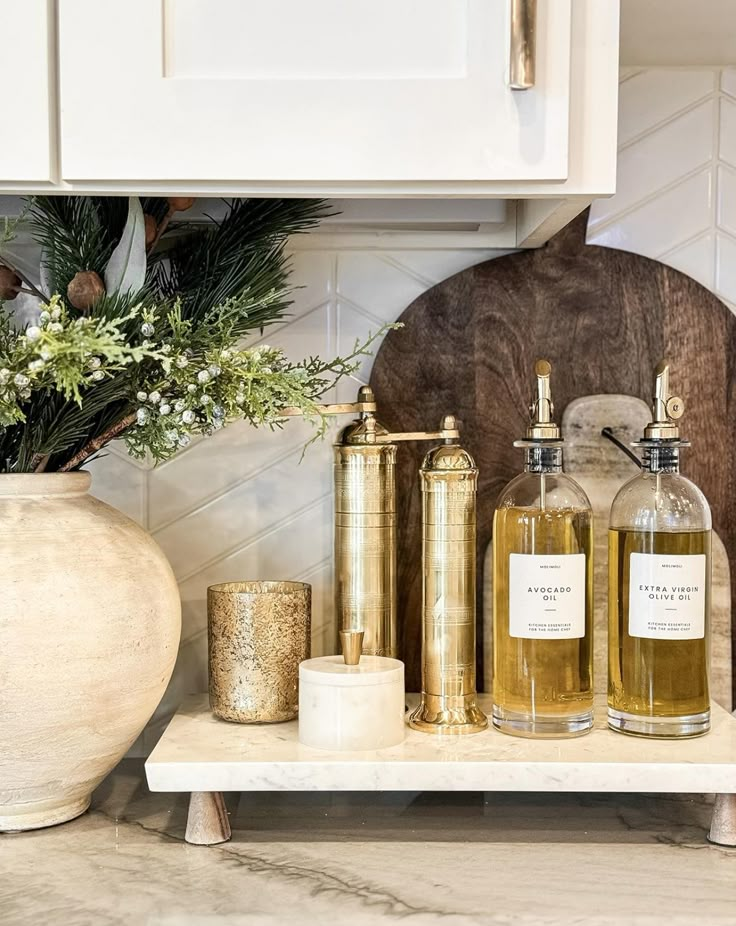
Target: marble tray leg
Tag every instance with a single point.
(723, 824)
(207, 822)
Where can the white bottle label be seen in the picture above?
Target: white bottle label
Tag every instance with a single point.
(547, 596)
(667, 596)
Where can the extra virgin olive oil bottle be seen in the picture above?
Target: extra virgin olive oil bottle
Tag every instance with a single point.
(543, 589)
(659, 588)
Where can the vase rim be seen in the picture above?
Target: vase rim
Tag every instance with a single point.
(259, 587)
(37, 485)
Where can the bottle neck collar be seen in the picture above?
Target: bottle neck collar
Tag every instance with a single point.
(661, 459)
(539, 459)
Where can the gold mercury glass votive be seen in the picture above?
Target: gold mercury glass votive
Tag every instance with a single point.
(258, 633)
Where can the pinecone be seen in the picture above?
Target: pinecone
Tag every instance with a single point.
(85, 289)
(10, 283)
(181, 203)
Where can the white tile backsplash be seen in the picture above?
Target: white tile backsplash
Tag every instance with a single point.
(353, 323)
(377, 286)
(728, 81)
(240, 505)
(216, 466)
(725, 282)
(727, 147)
(433, 266)
(659, 159)
(726, 212)
(651, 97)
(676, 195)
(290, 549)
(679, 212)
(219, 524)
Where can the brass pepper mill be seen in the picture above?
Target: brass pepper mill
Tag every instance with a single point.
(448, 478)
(365, 521)
(365, 525)
(365, 530)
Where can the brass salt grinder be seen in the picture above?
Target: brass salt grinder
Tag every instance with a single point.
(448, 478)
(365, 556)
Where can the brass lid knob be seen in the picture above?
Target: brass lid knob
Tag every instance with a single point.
(351, 642)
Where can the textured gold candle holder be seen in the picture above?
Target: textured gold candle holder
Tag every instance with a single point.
(258, 633)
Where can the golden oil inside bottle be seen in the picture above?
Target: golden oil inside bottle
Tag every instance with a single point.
(545, 683)
(655, 679)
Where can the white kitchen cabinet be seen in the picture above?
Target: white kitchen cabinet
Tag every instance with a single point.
(28, 109)
(383, 100)
(324, 91)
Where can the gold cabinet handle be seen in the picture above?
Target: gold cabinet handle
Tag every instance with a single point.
(522, 62)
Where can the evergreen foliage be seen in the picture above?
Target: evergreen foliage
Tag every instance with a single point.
(161, 364)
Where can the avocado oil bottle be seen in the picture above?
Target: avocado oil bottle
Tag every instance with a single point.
(543, 589)
(659, 588)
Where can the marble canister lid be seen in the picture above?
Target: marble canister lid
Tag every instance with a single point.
(333, 671)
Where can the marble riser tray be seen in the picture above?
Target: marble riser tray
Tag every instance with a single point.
(200, 753)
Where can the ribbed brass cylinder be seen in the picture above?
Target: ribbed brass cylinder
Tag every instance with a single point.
(448, 478)
(365, 541)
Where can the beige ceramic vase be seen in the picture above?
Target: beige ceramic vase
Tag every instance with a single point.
(89, 630)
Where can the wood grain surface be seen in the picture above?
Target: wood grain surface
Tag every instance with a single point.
(604, 318)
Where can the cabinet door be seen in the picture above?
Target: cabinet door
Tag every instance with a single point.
(308, 90)
(27, 56)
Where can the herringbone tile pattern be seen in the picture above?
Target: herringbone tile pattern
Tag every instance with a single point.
(676, 198)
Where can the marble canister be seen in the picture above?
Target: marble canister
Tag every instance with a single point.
(258, 634)
(351, 707)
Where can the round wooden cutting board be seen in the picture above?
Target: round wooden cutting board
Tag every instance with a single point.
(604, 318)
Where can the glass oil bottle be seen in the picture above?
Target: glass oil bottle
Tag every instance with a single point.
(659, 588)
(543, 589)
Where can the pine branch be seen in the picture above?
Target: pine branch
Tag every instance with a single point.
(97, 443)
(39, 462)
(72, 235)
(57, 428)
(245, 251)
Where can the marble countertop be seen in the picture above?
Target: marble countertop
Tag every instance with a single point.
(357, 858)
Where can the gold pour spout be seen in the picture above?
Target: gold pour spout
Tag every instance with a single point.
(542, 409)
(666, 408)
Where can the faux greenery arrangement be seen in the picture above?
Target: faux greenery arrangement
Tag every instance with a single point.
(139, 330)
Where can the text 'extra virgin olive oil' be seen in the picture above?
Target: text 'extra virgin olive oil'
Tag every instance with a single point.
(543, 589)
(659, 562)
